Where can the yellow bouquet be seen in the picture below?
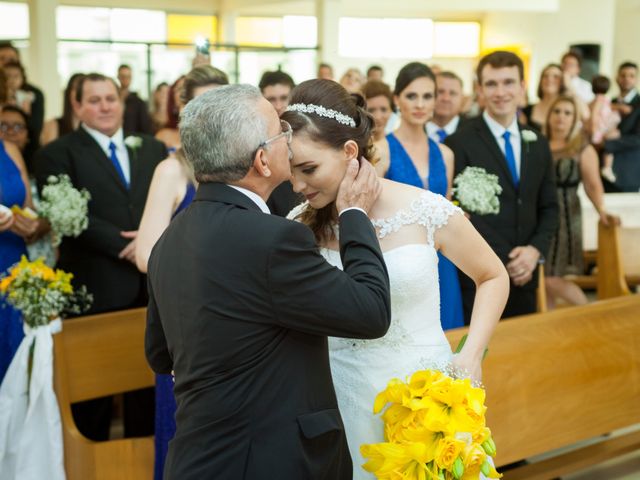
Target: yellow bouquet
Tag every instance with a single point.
(434, 427)
(41, 293)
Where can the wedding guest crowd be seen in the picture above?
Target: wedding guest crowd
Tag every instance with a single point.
(127, 155)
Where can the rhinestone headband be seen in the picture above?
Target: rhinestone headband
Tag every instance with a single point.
(322, 112)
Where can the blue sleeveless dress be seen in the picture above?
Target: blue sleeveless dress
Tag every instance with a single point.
(402, 169)
(165, 424)
(12, 192)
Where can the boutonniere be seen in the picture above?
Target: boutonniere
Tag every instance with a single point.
(528, 136)
(133, 142)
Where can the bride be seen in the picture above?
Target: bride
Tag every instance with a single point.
(330, 129)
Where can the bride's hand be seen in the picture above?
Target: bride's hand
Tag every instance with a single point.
(471, 366)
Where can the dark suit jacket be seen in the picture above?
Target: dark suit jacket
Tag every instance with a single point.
(626, 149)
(283, 199)
(93, 256)
(241, 304)
(529, 214)
(137, 118)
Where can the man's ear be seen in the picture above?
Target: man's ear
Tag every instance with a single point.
(351, 150)
(261, 163)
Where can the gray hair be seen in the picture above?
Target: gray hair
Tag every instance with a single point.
(220, 132)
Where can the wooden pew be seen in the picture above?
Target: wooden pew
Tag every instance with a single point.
(96, 356)
(557, 378)
(618, 260)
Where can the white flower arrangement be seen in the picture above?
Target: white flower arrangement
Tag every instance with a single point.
(66, 208)
(529, 136)
(477, 191)
(133, 142)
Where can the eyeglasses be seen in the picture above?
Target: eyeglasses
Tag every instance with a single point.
(287, 132)
(12, 127)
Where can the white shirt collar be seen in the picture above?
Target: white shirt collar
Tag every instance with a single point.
(257, 199)
(629, 96)
(498, 130)
(450, 128)
(103, 140)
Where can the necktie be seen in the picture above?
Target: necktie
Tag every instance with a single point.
(116, 164)
(442, 134)
(511, 158)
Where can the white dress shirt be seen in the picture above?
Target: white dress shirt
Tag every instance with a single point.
(498, 130)
(255, 198)
(121, 149)
(630, 96)
(450, 128)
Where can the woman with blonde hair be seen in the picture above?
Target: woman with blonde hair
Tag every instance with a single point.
(172, 189)
(575, 161)
(352, 80)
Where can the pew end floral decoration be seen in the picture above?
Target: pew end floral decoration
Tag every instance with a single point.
(41, 293)
(434, 429)
(66, 208)
(31, 415)
(477, 191)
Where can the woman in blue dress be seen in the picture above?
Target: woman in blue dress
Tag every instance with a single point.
(14, 230)
(172, 189)
(409, 156)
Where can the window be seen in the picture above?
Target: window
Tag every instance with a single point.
(456, 39)
(288, 31)
(385, 37)
(186, 28)
(90, 23)
(15, 20)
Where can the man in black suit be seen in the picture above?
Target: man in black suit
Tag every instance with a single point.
(447, 116)
(241, 304)
(117, 173)
(624, 142)
(520, 234)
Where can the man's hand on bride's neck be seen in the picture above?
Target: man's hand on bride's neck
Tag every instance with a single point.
(360, 187)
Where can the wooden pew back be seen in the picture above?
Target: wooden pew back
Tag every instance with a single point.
(96, 356)
(561, 377)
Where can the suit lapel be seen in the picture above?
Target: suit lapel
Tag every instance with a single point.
(91, 152)
(491, 143)
(134, 165)
(525, 158)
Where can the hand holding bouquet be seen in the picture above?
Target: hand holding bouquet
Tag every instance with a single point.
(477, 191)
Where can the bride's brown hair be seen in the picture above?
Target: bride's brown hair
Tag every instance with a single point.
(329, 131)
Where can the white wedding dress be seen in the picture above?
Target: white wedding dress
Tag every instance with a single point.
(415, 340)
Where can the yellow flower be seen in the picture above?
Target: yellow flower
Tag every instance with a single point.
(422, 380)
(447, 451)
(395, 461)
(473, 456)
(394, 393)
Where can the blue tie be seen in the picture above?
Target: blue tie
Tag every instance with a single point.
(511, 158)
(116, 164)
(442, 134)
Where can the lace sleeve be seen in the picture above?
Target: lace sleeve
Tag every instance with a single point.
(429, 210)
(297, 211)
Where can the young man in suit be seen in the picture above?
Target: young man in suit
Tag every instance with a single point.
(117, 174)
(446, 114)
(624, 142)
(520, 234)
(245, 328)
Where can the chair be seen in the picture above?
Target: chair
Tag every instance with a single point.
(96, 356)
